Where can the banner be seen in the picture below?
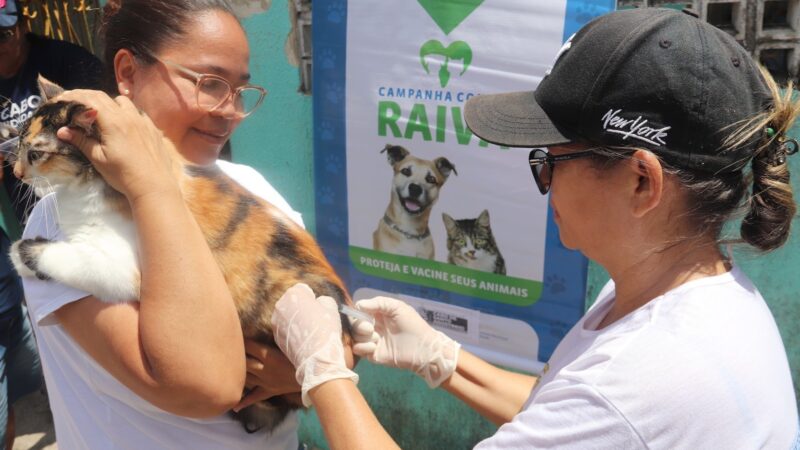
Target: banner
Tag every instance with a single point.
(409, 202)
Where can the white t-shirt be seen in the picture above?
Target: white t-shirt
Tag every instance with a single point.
(91, 409)
(700, 367)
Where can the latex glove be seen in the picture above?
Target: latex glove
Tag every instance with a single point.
(402, 339)
(309, 332)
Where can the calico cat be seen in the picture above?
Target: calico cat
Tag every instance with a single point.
(260, 250)
(470, 243)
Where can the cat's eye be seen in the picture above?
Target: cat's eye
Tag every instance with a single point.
(34, 155)
(406, 171)
(430, 179)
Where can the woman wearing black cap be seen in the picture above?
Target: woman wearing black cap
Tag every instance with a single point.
(661, 127)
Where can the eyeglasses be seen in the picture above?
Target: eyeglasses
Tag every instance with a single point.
(213, 91)
(543, 163)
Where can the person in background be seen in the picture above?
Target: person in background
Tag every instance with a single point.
(661, 127)
(162, 372)
(23, 57)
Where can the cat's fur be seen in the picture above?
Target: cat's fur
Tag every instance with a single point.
(260, 250)
(470, 243)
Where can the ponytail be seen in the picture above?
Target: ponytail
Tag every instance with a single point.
(771, 207)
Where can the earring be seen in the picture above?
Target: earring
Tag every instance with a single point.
(127, 92)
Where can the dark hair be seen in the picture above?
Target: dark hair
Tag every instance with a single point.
(713, 198)
(144, 26)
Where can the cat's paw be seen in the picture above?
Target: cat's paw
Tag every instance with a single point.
(25, 255)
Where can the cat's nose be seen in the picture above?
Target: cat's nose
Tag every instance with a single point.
(18, 172)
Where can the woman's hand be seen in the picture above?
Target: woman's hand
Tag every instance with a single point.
(309, 332)
(402, 339)
(132, 154)
(269, 374)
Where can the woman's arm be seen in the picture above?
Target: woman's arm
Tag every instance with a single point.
(495, 393)
(346, 418)
(181, 346)
(400, 338)
(308, 331)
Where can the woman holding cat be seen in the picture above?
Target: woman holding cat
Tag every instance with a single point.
(660, 125)
(161, 372)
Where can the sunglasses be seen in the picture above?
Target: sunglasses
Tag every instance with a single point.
(543, 163)
(6, 34)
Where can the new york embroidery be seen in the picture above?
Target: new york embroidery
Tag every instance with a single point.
(633, 128)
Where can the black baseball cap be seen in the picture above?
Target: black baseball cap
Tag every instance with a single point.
(9, 13)
(654, 78)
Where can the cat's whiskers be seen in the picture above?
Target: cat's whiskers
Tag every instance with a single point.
(10, 146)
(44, 186)
(26, 197)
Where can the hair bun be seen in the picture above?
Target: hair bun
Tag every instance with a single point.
(112, 7)
(110, 10)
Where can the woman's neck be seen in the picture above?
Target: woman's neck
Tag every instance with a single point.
(656, 272)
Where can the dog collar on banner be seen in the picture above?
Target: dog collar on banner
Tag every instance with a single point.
(408, 235)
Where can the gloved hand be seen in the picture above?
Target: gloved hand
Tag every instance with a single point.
(401, 338)
(309, 332)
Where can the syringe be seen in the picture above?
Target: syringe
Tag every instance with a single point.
(355, 314)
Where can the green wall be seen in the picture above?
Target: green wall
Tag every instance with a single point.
(277, 138)
(277, 141)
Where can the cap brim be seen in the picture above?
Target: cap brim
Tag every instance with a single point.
(511, 119)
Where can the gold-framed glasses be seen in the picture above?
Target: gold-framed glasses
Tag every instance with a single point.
(212, 91)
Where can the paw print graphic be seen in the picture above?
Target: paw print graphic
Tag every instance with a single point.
(326, 195)
(336, 12)
(327, 59)
(326, 131)
(336, 227)
(333, 164)
(335, 93)
(556, 284)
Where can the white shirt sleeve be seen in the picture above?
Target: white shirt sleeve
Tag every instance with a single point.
(45, 297)
(563, 415)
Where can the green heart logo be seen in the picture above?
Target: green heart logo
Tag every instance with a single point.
(458, 50)
(449, 13)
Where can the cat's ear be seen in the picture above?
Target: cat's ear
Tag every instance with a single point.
(483, 219)
(445, 167)
(47, 89)
(82, 117)
(394, 153)
(449, 223)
